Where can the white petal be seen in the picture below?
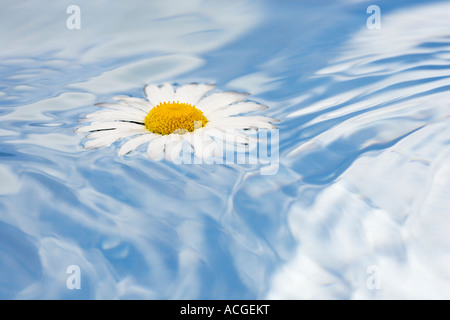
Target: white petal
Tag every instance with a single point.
(218, 100)
(249, 122)
(124, 110)
(203, 145)
(114, 115)
(157, 94)
(129, 104)
(238, 108)
(107, 139)
(97, 143)
(231, 136)
(110, 125)
(156, 147)
(134, 143)
(101, 133)
(192, 93)
(173, 147)
(167, 92)
(135, 103)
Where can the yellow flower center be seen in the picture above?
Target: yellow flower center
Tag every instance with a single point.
(174, 117)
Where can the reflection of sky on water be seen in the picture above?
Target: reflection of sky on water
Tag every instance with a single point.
(387, 138)
(363, 146)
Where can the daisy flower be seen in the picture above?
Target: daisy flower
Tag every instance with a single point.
(171, 116)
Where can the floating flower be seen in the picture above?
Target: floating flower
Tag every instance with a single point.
(171, 116)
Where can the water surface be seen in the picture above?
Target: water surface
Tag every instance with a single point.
(363, 181)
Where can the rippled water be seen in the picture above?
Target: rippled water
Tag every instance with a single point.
(358, 209)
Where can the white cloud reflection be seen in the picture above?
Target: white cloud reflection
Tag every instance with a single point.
(390, 207)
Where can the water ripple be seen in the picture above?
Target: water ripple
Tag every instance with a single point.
(372, 149)
(364, 150)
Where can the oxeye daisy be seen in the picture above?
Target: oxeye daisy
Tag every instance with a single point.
(171, 116)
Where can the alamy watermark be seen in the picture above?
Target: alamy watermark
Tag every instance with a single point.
(229, 147)
(73, 22)
(373, 281)
(74, 280)
(374, 21)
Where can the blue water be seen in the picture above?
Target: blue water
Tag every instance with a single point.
(358, 209)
